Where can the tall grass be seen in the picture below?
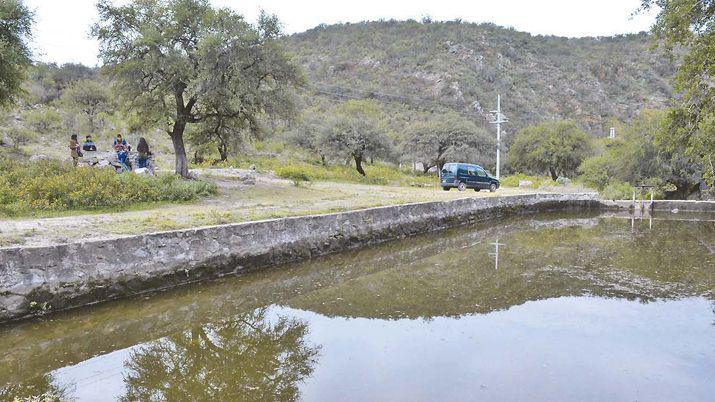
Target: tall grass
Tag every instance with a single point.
(26, 188)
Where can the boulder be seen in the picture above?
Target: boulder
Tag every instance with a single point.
(38, 157)
(564, 181)
(526, 183)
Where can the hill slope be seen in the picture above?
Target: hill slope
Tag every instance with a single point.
(462, 66)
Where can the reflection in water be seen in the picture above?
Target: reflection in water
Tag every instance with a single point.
(41, 388)
(496, 245)
(241, 359)
(530, 301)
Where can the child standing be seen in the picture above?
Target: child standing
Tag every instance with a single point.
(74, 150)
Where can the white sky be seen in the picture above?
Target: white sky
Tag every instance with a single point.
(61, 32)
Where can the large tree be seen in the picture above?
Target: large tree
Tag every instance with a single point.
(180, 62)
(555, 147)
(91, 97)
(690, 25)
(448, 137)
(355, 130)
(15, 24)
(310, 132)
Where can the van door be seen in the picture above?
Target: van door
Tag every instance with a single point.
(472, 177)
(462, 174)
(482, 178)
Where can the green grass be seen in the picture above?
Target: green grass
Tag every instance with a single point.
(48, 187)
(379, 173)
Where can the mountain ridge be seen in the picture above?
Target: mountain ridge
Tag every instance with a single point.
(453, 65)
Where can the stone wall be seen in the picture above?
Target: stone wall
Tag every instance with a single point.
(37, 279)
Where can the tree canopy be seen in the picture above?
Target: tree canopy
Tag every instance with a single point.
(184, 62)
(15, 25)
(631, 157)
(690, 25)
(448, 137)
(556, 147)
(90, 97)
(354, 131)
(246, 357)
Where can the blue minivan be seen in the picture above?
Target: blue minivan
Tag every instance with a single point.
(466, 175)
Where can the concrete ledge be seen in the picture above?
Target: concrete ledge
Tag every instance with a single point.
(661, 205)
(37, 279)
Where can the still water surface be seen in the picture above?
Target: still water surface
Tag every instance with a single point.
(542, 307)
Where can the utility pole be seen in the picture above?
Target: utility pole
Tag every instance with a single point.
(499, 118)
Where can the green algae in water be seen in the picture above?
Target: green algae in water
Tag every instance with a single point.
(542, 307)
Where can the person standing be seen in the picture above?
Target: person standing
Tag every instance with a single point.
(74, 150)
(143, 153)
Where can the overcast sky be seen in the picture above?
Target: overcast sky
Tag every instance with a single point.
(62, 26)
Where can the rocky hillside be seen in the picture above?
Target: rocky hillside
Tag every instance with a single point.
(416, 68)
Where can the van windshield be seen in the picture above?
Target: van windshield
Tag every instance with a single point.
(449, 168)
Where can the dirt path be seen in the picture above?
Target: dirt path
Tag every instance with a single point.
(268, 198)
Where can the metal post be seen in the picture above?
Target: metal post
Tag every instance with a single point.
(499, 118)
(651, 199)
(498, 132)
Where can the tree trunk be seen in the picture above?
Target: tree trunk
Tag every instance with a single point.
(181, 167)
(554, 176)
(425, 167)
(322, 160)
(358, 164)
(223, 152)
(198, 159)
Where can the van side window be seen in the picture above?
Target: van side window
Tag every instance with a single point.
(481, 172)
(472, 171)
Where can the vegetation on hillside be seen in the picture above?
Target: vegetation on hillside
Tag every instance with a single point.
(439, 66)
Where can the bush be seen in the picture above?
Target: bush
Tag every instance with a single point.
(296, 174)
(42, 120)
(53, 186)
(617, 191)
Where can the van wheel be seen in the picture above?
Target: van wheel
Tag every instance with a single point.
(477, 189)
(461, 187)
(445, 188)
(492, 188)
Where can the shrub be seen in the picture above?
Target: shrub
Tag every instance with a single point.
(294, 173)
(42, 120)
(53, 186)
(617, 191)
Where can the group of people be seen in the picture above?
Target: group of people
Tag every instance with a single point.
(121, 147)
